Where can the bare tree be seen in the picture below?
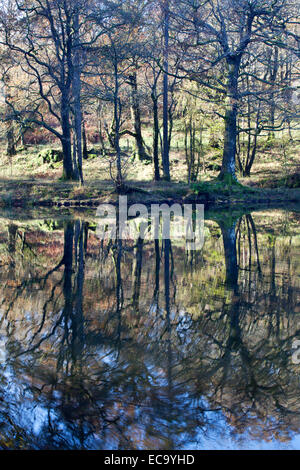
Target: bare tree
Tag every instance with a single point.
(48, 38)
(216, 36)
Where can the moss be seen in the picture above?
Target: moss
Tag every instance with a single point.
(51, 156)
(224, 188)
(228, 179)
(50, 225)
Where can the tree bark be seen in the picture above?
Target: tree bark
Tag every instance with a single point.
(136, 115)
(84, 140)
(11, 146)
(274, 66)
(68, 170)
(228, 171)
(119, 180)
(155, 136)
(77, 96)
(166, 148)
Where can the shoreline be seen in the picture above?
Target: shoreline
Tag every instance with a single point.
(28, 195)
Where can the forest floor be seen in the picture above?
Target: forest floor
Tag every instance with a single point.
(25, 180)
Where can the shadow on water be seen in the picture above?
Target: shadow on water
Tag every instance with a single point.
(142, 345)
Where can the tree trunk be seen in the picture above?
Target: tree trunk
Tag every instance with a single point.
(166, 149)
(228, 173)
(155, 136)
(11, 146)
(77, 97)
(248, 168)
(136, 115)
(274, 66)
(119, 180)
(74, 155)
(68, 170)
(85, 154)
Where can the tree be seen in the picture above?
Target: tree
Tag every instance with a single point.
(48, 36)
(114, 67)
(153, 74)
(166, 146)
(7, 68)
(215, 37)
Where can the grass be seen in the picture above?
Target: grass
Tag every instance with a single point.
(28, 179)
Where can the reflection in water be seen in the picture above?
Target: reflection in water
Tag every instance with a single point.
(122, 345)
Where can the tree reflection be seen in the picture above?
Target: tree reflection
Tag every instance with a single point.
(127, 346)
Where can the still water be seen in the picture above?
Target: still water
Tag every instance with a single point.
(142, 345)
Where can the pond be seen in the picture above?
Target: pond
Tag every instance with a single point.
(144, 345)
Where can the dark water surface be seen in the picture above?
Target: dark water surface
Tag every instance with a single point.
(144, 346)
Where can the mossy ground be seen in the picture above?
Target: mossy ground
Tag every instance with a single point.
(27, 179)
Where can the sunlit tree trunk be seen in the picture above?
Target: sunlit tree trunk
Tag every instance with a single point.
(166, 148)
(228, 171)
